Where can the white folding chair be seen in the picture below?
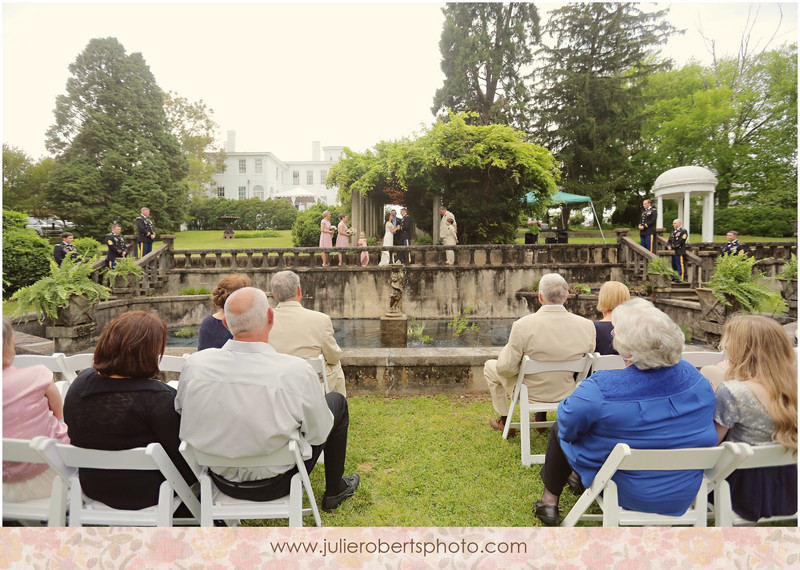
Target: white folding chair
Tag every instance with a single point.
(68, 459)
(580, 366)
(318, 364)
(215, 505)
(51, 510)
(773, 455)
(169, 363)
(75, 364)
(53, 362)
(606, 362)
(700, 359)
(714, 461)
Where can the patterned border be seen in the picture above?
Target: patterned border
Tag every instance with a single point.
(567, 549)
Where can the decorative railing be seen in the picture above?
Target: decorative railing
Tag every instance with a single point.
(421, 255)
(156, 265)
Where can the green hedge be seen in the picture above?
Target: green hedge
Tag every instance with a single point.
(305, 231)
(26, 259)
(766, 221)
(253, 214)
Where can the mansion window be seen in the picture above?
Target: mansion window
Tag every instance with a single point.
(323, 175)
(242, 192)
(220, 191)
(259, 169)
(242, 166)
(309, 177)
(296, 177)
(258, 192)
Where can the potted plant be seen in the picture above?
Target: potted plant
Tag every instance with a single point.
(124, 274)
(734, 287)
(660, 272)
(66, 297)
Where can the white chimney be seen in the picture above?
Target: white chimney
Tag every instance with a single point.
(315, 150)
(230, 144)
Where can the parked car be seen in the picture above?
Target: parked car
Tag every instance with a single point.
(48, 226)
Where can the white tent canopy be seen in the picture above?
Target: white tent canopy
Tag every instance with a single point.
(298, 192)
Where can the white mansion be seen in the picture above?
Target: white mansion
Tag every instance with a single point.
(263, 175)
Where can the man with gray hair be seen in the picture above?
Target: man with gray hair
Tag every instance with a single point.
(245, 399)
(550, 334)
(302, 332)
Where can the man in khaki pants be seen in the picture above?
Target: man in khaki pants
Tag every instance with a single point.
(302, 332)
(550, 334)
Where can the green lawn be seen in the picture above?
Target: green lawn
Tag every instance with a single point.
(433, 461)
(213, 240)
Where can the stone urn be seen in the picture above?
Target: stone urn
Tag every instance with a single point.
(714, 310)
(659, 281)
(78, 312)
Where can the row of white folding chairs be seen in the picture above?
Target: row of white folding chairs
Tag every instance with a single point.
(581, 367)
(67, 459)
(717, 464)
(70, 366)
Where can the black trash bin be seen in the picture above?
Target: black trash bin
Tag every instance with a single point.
(531, 238)
(563, 236)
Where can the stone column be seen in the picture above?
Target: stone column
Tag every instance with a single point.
(660, 212)
(708, 217)
(687, 209)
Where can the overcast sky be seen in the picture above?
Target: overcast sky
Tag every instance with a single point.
(283, 75)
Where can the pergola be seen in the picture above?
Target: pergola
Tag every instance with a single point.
(682, 184)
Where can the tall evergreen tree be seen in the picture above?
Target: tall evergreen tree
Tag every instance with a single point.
(114, 152)
(487, 51)
(590, 105)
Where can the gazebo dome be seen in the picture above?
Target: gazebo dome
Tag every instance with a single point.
(683, 176)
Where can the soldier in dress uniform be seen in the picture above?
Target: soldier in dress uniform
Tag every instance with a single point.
(146, 233)
(116, 246)
(733, 247)
(647, 228)
(677, 243)
(65, 248)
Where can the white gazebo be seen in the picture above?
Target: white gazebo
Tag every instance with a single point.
(682, 184)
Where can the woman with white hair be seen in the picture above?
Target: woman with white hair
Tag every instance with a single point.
(658, 401)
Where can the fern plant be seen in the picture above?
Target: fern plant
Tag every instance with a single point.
(789, 270)
(660, 266)
(734, 276)
(125, 267)
(52, 292)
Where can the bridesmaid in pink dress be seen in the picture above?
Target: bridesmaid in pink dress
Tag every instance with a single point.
(325, 235)
(362, 241)
(343, 236)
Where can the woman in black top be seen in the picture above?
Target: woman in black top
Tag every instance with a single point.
(116, 405)
(612, 293)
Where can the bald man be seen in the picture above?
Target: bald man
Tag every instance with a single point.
(245, 399)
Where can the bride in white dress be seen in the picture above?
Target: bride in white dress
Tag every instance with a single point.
(388, 239)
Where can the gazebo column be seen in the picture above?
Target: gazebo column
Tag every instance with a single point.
(687, 209)
(708, 217)
(660, 211)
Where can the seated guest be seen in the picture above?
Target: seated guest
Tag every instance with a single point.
(302, 332)
(757, 404)
(550, 334)
(115, 405)
(31, 407)
(657, 402)
(612, 293)
(213, 333)
(270, 400)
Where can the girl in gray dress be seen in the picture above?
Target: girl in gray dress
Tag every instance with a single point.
(758, 405)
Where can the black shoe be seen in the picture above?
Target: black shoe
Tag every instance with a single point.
(576, 486)
(548, 514)
(330, 503)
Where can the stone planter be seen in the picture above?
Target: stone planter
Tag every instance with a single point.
(78, 312)
(124, 286)
(659, 281)
(714, 310)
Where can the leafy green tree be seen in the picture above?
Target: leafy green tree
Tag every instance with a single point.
(113, 151)
(737, 117)
(26, 256)
(590, 104)
(481, 172)
(305, 230)
(486, 57)
(24, 180)
(193, 125)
